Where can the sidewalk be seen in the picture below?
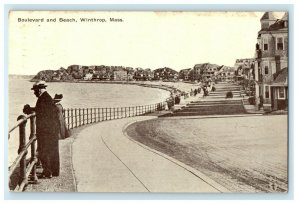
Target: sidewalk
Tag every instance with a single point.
(106, 160)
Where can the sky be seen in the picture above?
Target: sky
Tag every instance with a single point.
(152, 40)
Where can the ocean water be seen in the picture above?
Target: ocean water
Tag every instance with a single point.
(76, 95)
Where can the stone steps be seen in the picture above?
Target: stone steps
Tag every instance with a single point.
(215, 103)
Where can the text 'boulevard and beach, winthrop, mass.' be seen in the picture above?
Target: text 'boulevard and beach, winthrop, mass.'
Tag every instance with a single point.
(69, 20)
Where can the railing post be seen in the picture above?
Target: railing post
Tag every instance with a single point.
(98, 114)
(109, 113)
(87, 116)
(72, 119)
(34, 159)
(22, 144)
(83, 117)
(76, 117)
(79, 115)
(114, 113)
(68, 113)
(95, 115)
(91, 115)
(105, 113)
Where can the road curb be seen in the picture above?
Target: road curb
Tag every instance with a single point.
(197, 173)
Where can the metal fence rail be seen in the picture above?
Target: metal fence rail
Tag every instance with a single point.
(76, 117)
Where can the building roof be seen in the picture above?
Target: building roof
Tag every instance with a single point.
(268, 16)
(228, 69)
(285, 16)
(277, 25)
(281, 77)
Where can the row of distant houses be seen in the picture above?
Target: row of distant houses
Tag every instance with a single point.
(118, 73)
(200, 72)
(208, 72)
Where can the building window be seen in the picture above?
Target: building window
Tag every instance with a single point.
(267, 92)
(266, 70)
(279, 43)
(265, 43)
(281, 93)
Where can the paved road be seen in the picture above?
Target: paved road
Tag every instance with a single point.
(105, 160)
(244, 154)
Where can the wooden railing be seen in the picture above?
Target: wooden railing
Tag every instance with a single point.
(25, 170)
(75, 117)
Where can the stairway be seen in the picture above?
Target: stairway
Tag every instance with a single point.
(214, 104)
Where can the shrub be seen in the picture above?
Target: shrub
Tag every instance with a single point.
(229, 94)
(251, 100)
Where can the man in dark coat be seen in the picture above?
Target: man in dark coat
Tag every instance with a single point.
(47, 130)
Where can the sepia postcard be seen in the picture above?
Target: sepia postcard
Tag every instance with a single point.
(152, 101)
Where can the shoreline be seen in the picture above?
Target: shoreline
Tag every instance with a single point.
(150, 84)
(178, 88)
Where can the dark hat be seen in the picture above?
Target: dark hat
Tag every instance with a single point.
(39, 85)
(58, 97)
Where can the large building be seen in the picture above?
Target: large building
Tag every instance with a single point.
(271, 63)
(205, 72)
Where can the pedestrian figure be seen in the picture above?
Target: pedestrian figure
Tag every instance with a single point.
(47, 130)
(213, 89)
(64, 132)
(199, 90)
(195, 92)
(203, 94)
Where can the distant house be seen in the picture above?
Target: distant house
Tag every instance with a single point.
(271, 62)
(120, 75)
(165, 73)
(88, 76)
(204, 72)
(185, 74)
(226, 73)
(209, 73)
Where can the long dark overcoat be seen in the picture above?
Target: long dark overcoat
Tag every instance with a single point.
(64, 132)
(47, 132)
